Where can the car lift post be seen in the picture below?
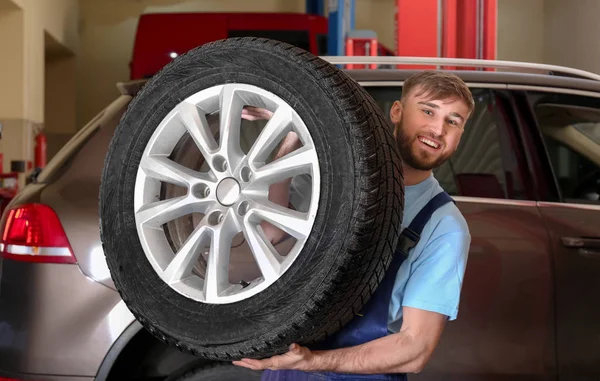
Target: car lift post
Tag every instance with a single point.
(315, 7)
(341, 22)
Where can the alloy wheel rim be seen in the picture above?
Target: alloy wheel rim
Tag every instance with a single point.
(232, 195)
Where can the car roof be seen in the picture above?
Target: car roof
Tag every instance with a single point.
(480, 76)
(469, 76)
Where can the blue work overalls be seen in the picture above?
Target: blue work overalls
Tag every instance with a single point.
(372, 323)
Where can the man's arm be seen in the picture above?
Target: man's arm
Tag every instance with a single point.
(404, 352)
(431, 298)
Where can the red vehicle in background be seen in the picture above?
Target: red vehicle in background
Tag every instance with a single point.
(161, 37)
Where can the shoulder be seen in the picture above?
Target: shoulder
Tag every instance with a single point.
(446, 235)
(448, 219)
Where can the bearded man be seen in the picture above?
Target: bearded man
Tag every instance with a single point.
(401, 325)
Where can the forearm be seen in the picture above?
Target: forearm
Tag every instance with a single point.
(397, 353)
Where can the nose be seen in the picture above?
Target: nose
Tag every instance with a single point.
(436, 127)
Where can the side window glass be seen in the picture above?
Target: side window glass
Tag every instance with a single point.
(578, 178)
(486, 162)
(570, 127)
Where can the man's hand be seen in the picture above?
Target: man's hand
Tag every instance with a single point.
(255, 113)
(298, 358)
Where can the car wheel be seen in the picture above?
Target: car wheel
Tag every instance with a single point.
(185, 200)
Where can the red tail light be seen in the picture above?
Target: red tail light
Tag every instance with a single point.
(33, 233)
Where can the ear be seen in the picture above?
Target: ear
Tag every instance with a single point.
(396, 112)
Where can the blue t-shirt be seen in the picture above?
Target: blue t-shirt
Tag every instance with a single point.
(431, 277)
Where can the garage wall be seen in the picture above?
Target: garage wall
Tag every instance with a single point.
(29, 29)
(61, 18)
(108, 30)
(6, 4)
(12, 71)
(520, 35)
(571, 33)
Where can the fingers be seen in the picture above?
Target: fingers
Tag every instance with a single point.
(290, 360)
(253, 364)
(295, 349)
(255, 113)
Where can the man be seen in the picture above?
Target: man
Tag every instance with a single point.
(421, 289)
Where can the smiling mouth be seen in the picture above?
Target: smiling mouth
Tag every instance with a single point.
(429, 143)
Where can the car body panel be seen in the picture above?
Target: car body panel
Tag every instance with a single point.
(45, 377)
(577, 272)
(55, 320)
(74, 198)
(74, 189)
(505, 325)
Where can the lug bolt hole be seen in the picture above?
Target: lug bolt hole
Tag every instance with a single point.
(215, 218)
(220, 163)
(243, 208)
(246, 174)
(201, 191)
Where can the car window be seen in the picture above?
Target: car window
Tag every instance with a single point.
(486, 163)
(570, 127)
(577, 177)
(590, 130)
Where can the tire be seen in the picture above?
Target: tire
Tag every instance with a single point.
(220, 372)
(344, 254)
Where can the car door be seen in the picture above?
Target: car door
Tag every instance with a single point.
(505, 323)
(570, 133)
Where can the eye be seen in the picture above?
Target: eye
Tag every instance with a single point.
(428, 112)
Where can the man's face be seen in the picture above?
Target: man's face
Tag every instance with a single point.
(428, 130)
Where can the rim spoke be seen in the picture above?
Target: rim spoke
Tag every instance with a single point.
(230, 122)
(295, 163)
(268, 260)
(196, 124)
(216, 279)
(155, 214)
(164, 169)
(184, 261)
(271, 135)
(290, 221)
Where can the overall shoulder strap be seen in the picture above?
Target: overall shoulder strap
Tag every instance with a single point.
(410, 235)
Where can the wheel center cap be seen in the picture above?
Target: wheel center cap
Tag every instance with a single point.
(228, 191)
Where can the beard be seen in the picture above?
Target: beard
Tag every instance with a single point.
(418, 158)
